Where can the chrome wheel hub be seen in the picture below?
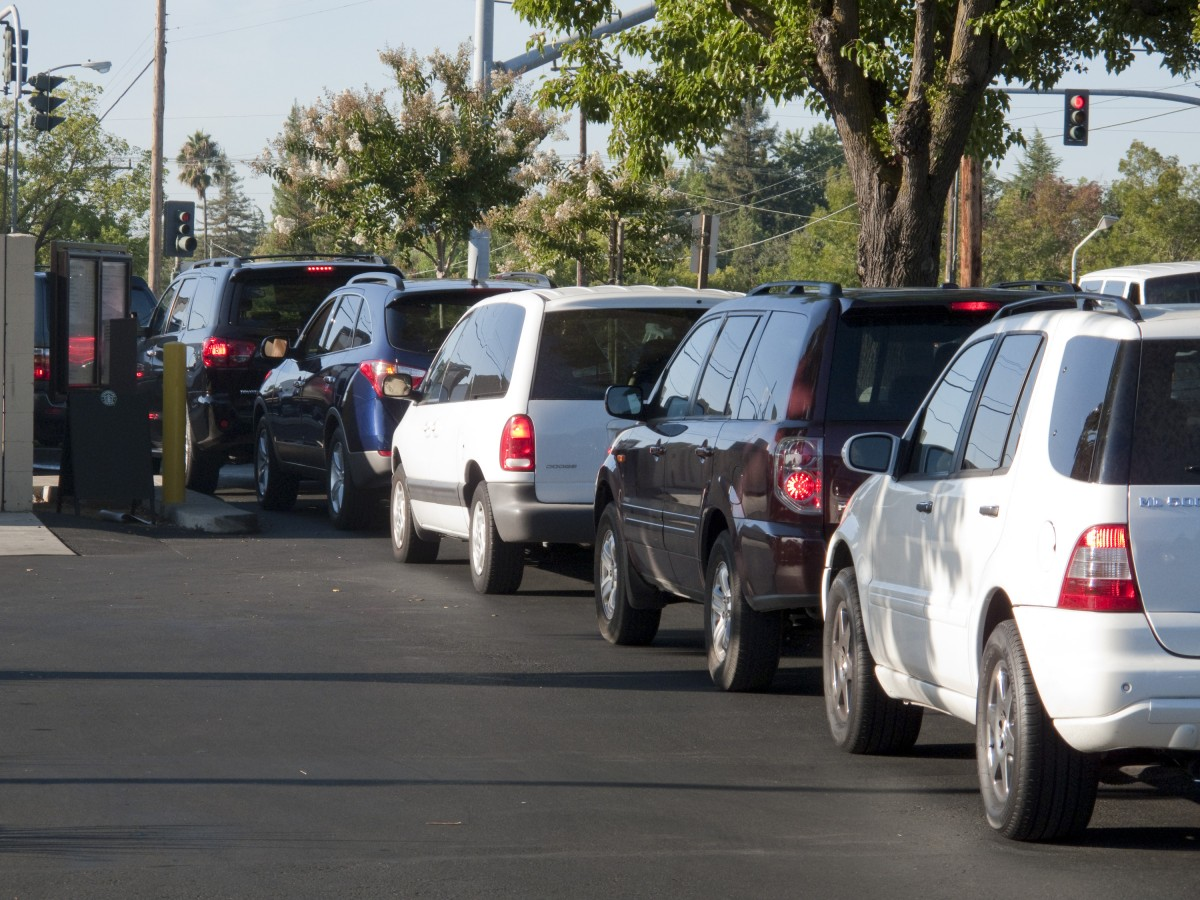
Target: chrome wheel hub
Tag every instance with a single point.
(1001, 731)
(721, 602)
(478, 537)
(841, 653)
(608, 584)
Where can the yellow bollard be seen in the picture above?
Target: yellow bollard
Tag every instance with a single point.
(174, 427)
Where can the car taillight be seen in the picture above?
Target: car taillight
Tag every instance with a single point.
(222, 353)
(799, 467)
(975, 306)
(375, 370)
(1100, 576)
(516, 445)
(319, 270)
(41, 365)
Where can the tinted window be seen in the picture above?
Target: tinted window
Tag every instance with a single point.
(712, 399)
(339, 330)
(418, 323)
(583, 351)
(1181, 288)
(308, 341)
(774, 386)
(204, 306)
(159, 317)
(482, 361)
(440, 372)
(992, 439)
(365, 327)
(282, 299)
(944, 416)
(182, 307)
(141, 303)
(680, 377)
(885, 360)
(1083, 383)
(1166, 433)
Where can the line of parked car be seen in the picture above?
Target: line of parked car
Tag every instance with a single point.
(989, 497)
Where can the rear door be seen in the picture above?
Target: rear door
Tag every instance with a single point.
(319, 375)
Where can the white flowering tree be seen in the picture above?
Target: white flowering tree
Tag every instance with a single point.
(410, 177)
(579, 210)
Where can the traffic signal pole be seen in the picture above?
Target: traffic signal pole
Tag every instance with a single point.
(156, 147)
(10, 12)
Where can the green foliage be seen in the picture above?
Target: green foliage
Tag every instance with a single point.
(413, 176)
(1158, 201)
(826, 249)
(80, 183)
(234, 222)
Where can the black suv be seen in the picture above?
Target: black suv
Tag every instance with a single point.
(221, 309)
(727, 488)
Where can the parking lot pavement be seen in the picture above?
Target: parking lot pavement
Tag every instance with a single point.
(22, 534)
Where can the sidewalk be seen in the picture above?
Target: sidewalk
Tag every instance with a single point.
(22, 534)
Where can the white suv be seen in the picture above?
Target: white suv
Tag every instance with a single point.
(502, 444)
(1025, 558)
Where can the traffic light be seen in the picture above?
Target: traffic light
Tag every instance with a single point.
(45, 102)
(1075, 118)
(178, 216)
(16, 55)
(9, 52)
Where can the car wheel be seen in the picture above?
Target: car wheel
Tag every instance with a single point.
(743, 645)
(862, 718)
(496, 567)
(1035, 786)
(201, 468)
(407, 547)
(616, 584)
(349, 507)
(275, 489)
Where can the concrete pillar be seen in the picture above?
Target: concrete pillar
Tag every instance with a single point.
(16, 373)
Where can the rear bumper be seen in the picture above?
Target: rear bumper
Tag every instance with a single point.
(522, 519)
(1107, 683)
(781, 565)
(370, 470)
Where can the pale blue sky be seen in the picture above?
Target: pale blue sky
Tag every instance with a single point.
(235, 68)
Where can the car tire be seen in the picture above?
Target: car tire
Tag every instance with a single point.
(349, 507)
(201, 468)
(743, 645)
(496, 566)
(1035, 786)
(616, 584)
(862, 718)
(407, 546)
(275, 489)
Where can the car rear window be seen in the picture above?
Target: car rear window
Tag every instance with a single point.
(884, 360)
(584, 351)
(1166, 431)
(279, 299)
(1182, 288)
(419, 322)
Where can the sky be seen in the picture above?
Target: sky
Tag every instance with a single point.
(236, 67)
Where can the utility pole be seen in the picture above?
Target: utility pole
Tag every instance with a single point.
(579, 280)
(479, 262)
(970, 217)
(156, 144)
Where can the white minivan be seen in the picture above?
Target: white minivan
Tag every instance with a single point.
(1170, 282)
(502, 442)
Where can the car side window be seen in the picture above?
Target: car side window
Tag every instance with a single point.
(440, 368)
(308, 342)
(680, 378)
(203, 309)
(484, 352)
(1079, 399)
(181, 308)
(773, 386)
(339, 330)
(991, 441)
(158, 319)
(943, 419)
(712, 398)
(365, 326)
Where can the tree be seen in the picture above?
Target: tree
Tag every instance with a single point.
(237, 223)
(417, 176)
(810, 159)
(1039, 162)
(200, 161)
(824, 247)
(294, 214)
(81, 183)
(907, 85)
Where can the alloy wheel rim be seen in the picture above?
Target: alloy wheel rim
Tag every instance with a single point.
(337, 477)
(478, 537)
(1002, 733)
(263, 472)
(841, 675)
(722, 603)
(399, 515)
(608, 575)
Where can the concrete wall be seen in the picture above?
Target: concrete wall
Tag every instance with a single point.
(16, 373)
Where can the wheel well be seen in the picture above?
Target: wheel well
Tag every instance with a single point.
(714, 526)
(604, 496)
(471, 480)
(999, 609)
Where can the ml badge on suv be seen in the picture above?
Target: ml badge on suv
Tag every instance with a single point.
(728, 484)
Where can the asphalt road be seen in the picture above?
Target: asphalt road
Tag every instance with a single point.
(292, 714)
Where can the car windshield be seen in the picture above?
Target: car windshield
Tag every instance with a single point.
(886, 360)
(1182, 288)
(419, 322)
(584, 351)
(278, 299)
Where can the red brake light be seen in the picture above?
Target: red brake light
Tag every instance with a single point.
(41, 365)
(1100, 576)
(319, 270)
(975, 306)
(798, 473)
(375, 370)
(220, 353)
(516, 445)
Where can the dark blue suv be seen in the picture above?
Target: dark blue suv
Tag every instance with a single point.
(321, 413)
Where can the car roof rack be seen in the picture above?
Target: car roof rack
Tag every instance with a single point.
(237, 261)
(1081, 300)
(533, 279)
(1048, 286)
(392, 279)
(794, 288)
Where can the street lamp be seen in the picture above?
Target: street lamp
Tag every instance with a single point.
(1106, 222)
(100, 66)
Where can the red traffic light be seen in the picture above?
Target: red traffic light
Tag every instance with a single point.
(1078, 101)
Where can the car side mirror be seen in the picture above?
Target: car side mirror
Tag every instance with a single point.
(623, 401)
(399, 385)
(870, 454)
(274, 346)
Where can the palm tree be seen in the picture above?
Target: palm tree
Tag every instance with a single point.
(200, 160)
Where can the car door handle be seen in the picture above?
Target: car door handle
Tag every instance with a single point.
(990, 511)
(704, 451)
(658, 449)
(154, 353)
(925, 506)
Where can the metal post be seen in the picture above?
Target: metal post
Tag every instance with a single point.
(479, 249)
(156, 145)
(11, 12)
(174, 425)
